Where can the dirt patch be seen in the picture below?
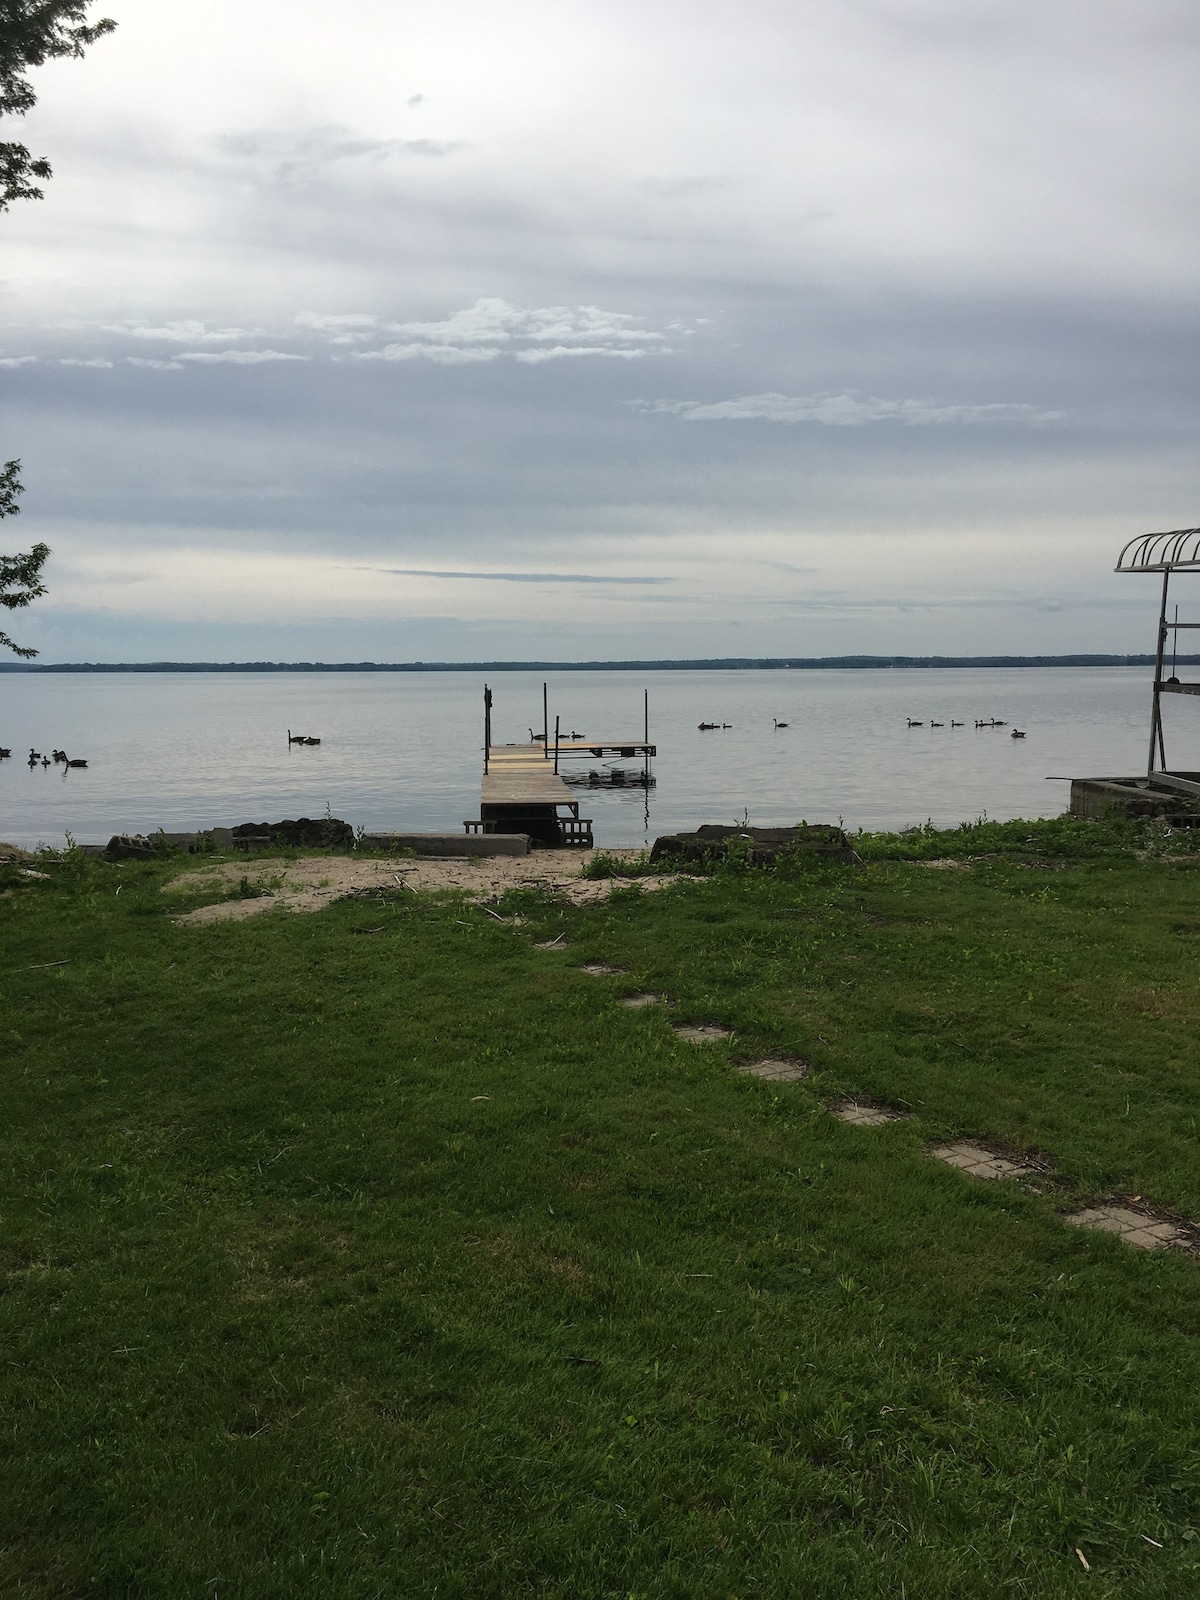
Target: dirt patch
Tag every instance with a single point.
(1163, 1004)
(312, 884)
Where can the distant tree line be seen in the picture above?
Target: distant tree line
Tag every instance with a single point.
(715, 664)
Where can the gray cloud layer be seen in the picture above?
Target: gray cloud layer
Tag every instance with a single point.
(866, 325)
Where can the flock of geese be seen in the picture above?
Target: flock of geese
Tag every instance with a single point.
(61, 758)
(37, 759)
(707, 727)
(980, 722)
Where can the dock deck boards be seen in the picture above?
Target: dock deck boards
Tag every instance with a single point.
(522, 793)
(519, 774)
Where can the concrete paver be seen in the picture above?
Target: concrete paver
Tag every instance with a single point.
(1134, 1227)
(864, 1116)
(702, 1033)
(635, 1002)
(775, 1069)
(600, 969)
(979, 1162)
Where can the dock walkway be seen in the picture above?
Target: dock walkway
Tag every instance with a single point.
(521, 793)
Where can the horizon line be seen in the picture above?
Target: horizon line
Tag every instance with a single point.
(695, 664)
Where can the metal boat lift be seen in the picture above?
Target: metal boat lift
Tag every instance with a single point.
(1166, 553)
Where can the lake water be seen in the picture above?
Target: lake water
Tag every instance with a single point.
(403, 750)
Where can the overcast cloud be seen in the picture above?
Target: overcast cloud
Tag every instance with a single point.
(577, 329)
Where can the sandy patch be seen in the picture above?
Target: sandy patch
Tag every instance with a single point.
(311, 884)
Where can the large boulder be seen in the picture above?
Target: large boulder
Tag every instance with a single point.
(130, 847)
(307, 833)
(763, 846)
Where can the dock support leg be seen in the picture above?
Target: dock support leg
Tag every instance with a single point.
(1156, 733)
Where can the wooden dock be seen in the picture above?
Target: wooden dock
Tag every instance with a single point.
(521, 793)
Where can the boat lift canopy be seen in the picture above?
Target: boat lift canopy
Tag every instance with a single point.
(1178, 551)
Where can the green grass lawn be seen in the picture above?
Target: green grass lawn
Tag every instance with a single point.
(379, 1253)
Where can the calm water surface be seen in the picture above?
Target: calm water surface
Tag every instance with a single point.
(403, 750)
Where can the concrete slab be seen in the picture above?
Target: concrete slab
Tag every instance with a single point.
(702, 1033)
(1138, 1228)
(448, 844)
(600, 969)
(636, 1002)
(775, 1069)
(979, 1162)
(864, 1116)
(1130, 797)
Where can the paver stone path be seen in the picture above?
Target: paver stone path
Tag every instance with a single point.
(775, 1069)
(979, 1162)
(702, 1033)
(864, 1116)
(1134, 1227)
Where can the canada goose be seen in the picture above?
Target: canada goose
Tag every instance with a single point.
(1016, 734)
(777, 722)
(954, 724)
(536, 738)
(45, 761)
(34, 755)
(913, 724)
(996, 723)
(706, 726)
(70, 763)
(4, 754)
(574, 734)
(34, 758)
(937, 724)
(59, 755)
(310, 740)
(727, 724)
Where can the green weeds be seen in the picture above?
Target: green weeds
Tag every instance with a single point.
(603, 864)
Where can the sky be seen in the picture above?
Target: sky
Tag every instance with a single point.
(577, 330)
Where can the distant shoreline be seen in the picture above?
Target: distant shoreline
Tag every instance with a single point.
(728, 664)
